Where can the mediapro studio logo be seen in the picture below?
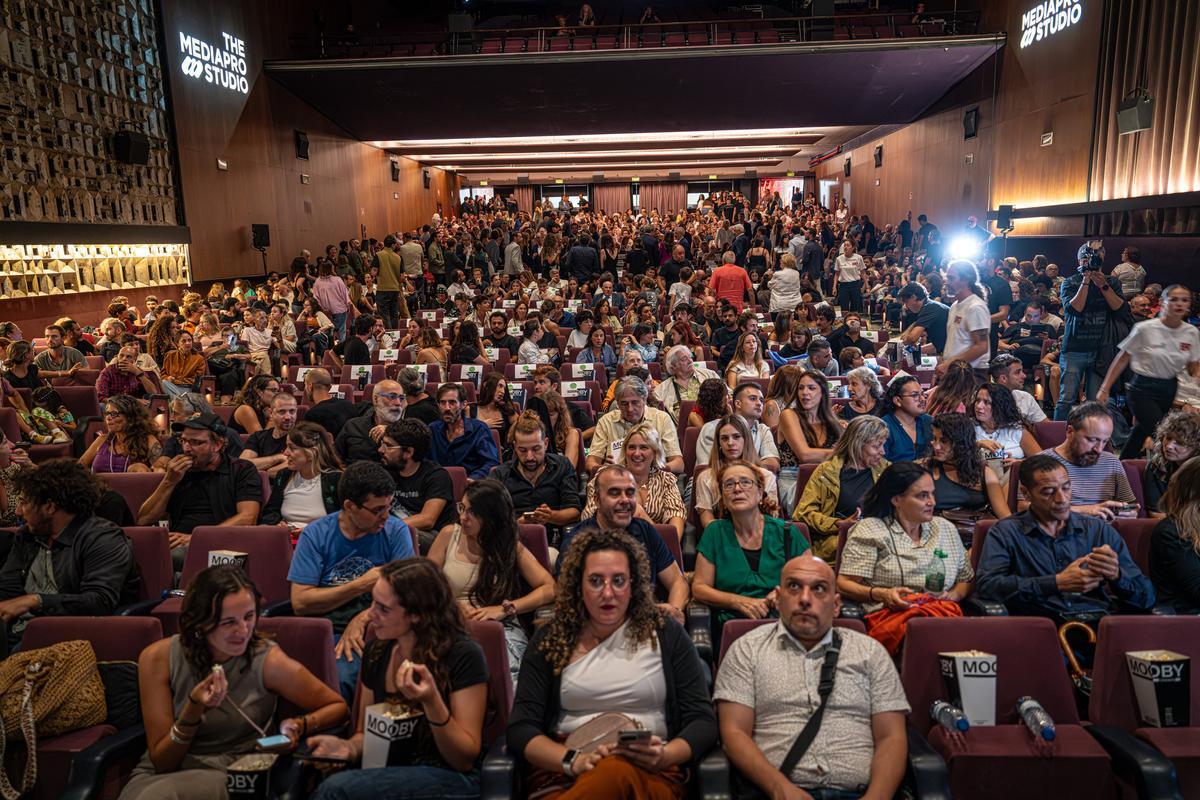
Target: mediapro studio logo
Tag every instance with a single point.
(1048, 18)
(192, 67)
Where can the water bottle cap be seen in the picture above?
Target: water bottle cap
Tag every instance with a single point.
(962, 724)
(1048, 734)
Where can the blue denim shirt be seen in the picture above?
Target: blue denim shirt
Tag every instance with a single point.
(1020, 561)
(475, 451)
(901, 448)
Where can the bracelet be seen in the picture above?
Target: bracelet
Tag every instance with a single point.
(185, 724)
(871, 594)
(178, 738)
(433, 724)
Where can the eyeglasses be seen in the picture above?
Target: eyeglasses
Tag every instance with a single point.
(392, 396)
(597, 583)
(376, 512)
(911, 394)
(108, 412)
(390, 445)
(738, 483)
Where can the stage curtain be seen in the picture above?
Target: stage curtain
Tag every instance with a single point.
(613, 198)
(663, 196)
(524, 195)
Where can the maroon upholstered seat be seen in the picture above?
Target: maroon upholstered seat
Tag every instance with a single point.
(1113, 702)
(489, 634)
(1136, 534)
(308, 640)
(1028, 662)
(534, 539)
(135, 487)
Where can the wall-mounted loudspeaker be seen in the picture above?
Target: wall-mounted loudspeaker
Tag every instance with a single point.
(879, 155)
(260, 236)
(1136, 112)
(971, 123)
(751, 173)
(425, 177)
(846, 168)
(301, 144)
(673, 176)
(395, 172)
(131, 147)
(598, 178)
(522, 179)
(1004, 217)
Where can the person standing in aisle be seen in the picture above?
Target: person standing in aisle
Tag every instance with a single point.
(848, 270)
(1156, 351)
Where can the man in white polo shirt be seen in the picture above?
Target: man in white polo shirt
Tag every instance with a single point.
(1008, 371)
(969, 320)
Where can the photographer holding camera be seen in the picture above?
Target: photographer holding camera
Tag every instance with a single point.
(1092, 300)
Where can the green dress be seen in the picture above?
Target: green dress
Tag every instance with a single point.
(720, 546)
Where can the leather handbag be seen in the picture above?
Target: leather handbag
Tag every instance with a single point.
(47, 692)
(600, 730)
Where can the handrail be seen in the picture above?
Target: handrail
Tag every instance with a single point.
(630, 33)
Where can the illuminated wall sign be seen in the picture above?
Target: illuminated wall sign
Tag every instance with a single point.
(1048, 18)
(224, 67)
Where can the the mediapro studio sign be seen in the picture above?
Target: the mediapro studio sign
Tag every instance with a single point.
(1048, 18)
(221, 66)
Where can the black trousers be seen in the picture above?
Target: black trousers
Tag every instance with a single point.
(1150, 400)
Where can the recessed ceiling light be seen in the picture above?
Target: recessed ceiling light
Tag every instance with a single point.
(597, 138)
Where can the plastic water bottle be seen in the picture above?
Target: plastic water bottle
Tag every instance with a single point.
(935, 576)
(1036, 719)
(949, 717)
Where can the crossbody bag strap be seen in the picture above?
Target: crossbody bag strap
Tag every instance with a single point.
(824, 689)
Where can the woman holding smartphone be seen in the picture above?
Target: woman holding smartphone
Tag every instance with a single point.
(209, 692)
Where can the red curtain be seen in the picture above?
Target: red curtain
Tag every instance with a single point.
(524, 197)
(612, 198)
(666, 197)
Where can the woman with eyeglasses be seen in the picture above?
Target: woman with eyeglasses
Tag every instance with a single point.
(909, 427)
(129, 441)
(306, 489)
(609, 650)
(252, 404)
(208, 692)
(740, 557)
(491, 573)
(729, 445)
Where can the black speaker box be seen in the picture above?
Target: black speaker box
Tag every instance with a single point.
(260, 235)
(395, 172)
(846, 168)
(879, 155)
(1135, 113)
(425, 177)
(131, 147)
(301, 145)
(1004, 217)
(971, 123)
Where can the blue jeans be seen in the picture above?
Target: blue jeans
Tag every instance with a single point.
(347, 673)
(399, 783)
(1076, 372)
(339, 322)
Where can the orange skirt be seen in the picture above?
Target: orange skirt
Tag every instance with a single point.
(613, 778)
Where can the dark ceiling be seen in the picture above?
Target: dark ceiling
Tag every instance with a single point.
(793, 85)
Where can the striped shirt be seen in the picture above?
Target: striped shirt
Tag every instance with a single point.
(1104, 480)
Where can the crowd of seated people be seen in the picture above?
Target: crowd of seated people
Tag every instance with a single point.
(709, 455)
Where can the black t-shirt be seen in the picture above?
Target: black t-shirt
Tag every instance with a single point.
(30, 381)
(465, 667)
(425, 410)
(466, 354)
(431, 481)
(265, 443)
(356, 351)
(332, 414)
(505, 342)
(211, 497)
(932, 317)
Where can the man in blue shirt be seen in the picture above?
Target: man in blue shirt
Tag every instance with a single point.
(616, 504)
(460, 442)
(338, 557)
(1051, 561)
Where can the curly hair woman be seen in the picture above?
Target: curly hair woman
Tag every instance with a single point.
(251, 404)
(712, 402)
(609, 649)
(188, 703)
(954, 391)
(160, 338)
(961, 481)
(1176, 439)
(129, 441)
(423, 660)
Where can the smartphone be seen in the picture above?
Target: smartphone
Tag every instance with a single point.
(275, 743)
(306, 754)
(638, 735)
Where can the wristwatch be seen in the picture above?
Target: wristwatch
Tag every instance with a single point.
(567, 761)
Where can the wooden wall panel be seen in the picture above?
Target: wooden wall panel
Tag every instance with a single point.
(349, 185)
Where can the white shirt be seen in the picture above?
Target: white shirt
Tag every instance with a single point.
(1156, 351)
(302, 501)
(849, 269)
(615, 675)
(1028, 406)
(785, 290)
(966, 316)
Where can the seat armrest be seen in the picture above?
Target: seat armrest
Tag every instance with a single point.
(927, 771)
(1163, 611)
(1138, 763)
(852, 610)
(283, 608)
(688, 549)
(698, 621)
(85, 779)
(716, 776)
(975, 607)
(499, 775)
(139, 609)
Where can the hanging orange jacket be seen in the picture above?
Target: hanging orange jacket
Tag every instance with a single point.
(887, 625)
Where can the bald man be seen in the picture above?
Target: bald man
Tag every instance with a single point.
(767, 690)
(359, 439)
